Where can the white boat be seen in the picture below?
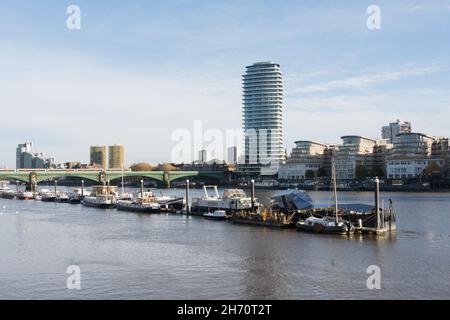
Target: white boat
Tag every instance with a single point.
(25, 195)
(231, 200)
(6, 192)
(47, 195)
(128, 205)
(126, 196)
(77, 195)
(324, 225)
(104, 197)
(146, 202)
(62, 197)
(216, 215)
(170, 203)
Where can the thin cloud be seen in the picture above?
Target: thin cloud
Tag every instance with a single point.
(326, 118)
(78, 102)
(368, 80)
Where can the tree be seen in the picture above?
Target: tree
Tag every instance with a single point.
(377, 171)
(142, 166)
(309, 174)
(432, 168)
(166, 167)
(361, 171)
(322, 172)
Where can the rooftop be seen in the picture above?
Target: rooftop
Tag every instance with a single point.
(361, 137)
(415, 133)
(311, 142)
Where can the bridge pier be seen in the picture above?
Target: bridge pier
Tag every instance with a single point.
(166, 180)
(32, 182)
(102, 178)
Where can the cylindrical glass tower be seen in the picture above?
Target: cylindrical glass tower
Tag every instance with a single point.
(263, 117)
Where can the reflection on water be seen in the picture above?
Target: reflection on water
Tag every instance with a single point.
(135, 256)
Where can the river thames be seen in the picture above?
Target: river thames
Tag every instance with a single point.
(139, 256)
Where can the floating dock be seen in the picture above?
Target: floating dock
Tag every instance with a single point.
(264, 223)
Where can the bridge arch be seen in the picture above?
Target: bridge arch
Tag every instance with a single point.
(15, 177)
(176, 175)
(117, 179)
(53, 176)
(156, 175)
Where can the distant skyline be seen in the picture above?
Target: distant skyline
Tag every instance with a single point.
(138, 70)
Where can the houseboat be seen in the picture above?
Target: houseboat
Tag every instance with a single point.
(145, 202)
(103, 197)
(231, 200)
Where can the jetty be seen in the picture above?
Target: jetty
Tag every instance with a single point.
(382, 222)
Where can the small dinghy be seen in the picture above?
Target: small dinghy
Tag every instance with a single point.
(324, 225)
(216, 215)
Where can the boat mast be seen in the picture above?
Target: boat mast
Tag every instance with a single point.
(377, 201)
(187, 196)
(252, 193)
(122, 181)
(333, 177)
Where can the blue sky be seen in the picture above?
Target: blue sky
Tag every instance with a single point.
(138, 70)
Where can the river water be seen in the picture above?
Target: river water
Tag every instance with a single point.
(136, 256)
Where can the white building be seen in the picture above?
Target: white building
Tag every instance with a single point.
(262, 118)
(306, 156)
(353, 152)
(410, 168)
(410, 156)
(297, 171)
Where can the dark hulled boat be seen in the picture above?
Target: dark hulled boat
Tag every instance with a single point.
(48, 196)
(6, 192)
(324, 225)
(133, 206)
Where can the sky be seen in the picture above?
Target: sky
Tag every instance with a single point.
(137, 71)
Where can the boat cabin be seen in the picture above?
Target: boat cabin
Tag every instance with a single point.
(103, 190)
